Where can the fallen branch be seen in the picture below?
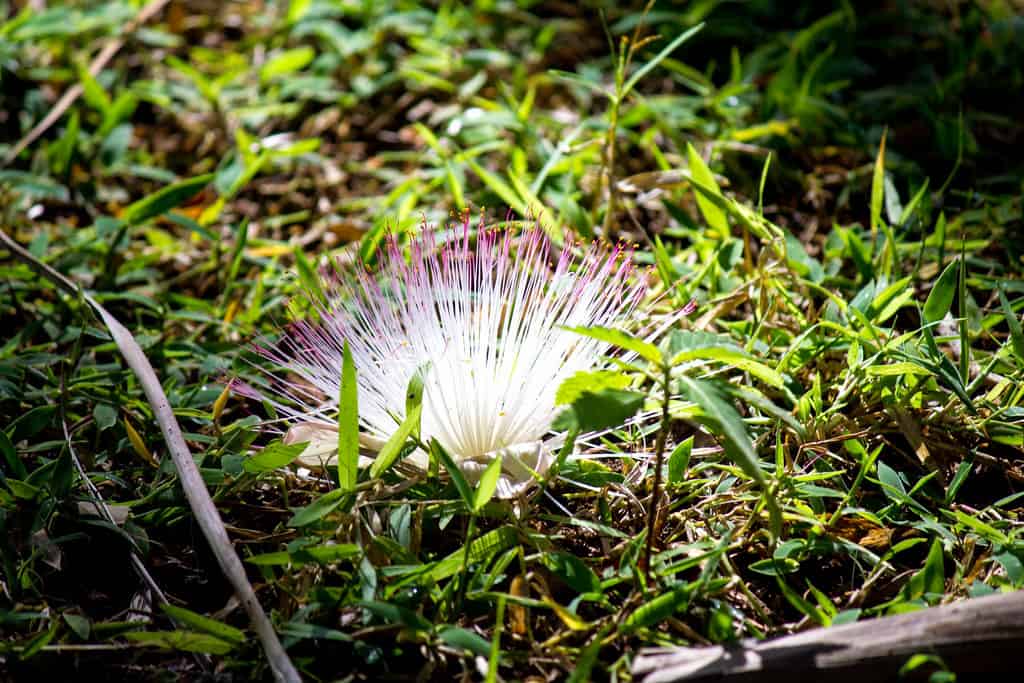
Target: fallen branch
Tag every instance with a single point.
(982, 635)
(188, 473)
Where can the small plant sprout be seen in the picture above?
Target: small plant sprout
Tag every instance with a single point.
(476, 326)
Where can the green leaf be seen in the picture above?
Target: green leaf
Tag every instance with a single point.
(410, 425)
(500, 188)
(726, 421)
(931, 580)
(487, 485)
(414, 390)
(348, 423)
(79, 624)
(940, 298)
(465, 492)
(92, 92)
(572, 388)
(1016, 334)
(573, 571)
(316, 554)
(31, 423)
(395, 614)
(165, 199)
(287, 62)
(658, 59)
(878, 188)
(805, 607)
(274, 456)
(205, 624)
(389, 453)
(464, 639)
(679, 462)
(61, 150)
(658, 609)
(482, 549)
(311, 282)
(316, 510)
(595, 411)
(712, 213)
(181, 640)
(621, 339)
(105, 416)
(692, 345)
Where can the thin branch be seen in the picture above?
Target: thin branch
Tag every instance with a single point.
(188, 473)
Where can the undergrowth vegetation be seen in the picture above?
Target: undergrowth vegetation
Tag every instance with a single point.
(839, 421)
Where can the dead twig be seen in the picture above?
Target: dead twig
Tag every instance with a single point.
(188, 473)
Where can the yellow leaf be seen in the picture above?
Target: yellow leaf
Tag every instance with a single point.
(138, 445)
(218, 405)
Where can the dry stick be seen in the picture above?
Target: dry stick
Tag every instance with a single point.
(972, 636)
(191, 480)
(73, 93)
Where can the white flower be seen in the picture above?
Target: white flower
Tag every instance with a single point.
(484, 315)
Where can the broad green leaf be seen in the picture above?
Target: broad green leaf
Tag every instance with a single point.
(297, 9)
(105, 416)
(396, 614)
(571, 569)
(393, 447)
(679, 462)
(487, 484)
(165, 199)
(714, 348)
(727, 422)
(931, 579)
(348, 423)
(481, 549)
(465, 639)
(185, 641)
(940, 298)
(274, 456)
(316, 510)
(410, 425)
(205, 624)
(461, 485)
(316, 554)
(621, 339)
(712, 213)
(287, 62)
(604, 409)
(658, 609)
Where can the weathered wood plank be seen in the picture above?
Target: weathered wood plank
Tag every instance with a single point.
(982, 635)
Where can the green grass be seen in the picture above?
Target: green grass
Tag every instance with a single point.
(841, 420)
